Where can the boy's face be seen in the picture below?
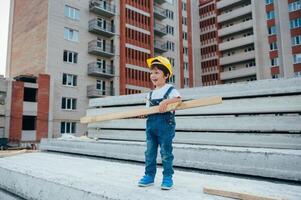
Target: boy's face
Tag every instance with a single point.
(157, 77)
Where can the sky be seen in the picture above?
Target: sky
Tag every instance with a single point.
(4, 18)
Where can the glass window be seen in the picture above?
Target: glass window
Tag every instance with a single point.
(297, 58)
(68, 103)
(296, 40)
(297, 74)
(169, 14)
(273, 46)
(274, 62)
(170, 45)
(267, 2)
(184, 20)
(272, 30)
(69, 79)
(70, 34)
(296, 5)
(70, 57)
(170, 29)
(71, 13)
(184, 6)
(271, 15)
(68, 127)
(295, 23)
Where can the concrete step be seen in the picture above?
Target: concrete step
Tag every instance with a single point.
(48, 176)
(265, 162)
(262, 140)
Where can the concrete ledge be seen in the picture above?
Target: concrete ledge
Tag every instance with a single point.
(4, 195)
(48, 176)
(274, 163)
(262, 140)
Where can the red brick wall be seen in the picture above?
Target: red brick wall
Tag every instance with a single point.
(181, 67)
(189, 27)
(29, 37)
(15, 130)
(43, 106)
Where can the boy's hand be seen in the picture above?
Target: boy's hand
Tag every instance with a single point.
(163, 106)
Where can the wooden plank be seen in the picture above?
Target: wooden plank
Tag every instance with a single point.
(8, 153)
(261, 140)
(282, 104)
(254, 88)
(269, 123)
(235, 195)
(155, 109)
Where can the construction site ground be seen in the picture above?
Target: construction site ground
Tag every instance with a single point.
(48, 175)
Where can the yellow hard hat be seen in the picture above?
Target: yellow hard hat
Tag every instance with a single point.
(160, 60)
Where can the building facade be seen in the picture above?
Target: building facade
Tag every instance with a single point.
(24, 109)
(247, 40)
(4, 110)
(97, 48)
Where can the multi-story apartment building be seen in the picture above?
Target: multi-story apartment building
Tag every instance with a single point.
(96, 48)
(246, 40)
(4, 105)
(24, 112)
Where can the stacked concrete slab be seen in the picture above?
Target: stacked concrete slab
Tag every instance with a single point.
(52, 176)
(255, 131)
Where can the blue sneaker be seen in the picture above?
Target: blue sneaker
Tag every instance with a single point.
(146, 180)
(167, 183)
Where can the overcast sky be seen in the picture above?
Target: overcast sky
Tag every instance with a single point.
(4, 16)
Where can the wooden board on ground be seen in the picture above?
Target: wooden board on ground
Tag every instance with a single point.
(234, 195)
(7, 153)
(155, 109)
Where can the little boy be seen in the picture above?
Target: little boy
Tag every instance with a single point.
(160, 127)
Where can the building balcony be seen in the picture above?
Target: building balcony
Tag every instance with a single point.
(98, 70)
(225, 3)
(28, 135)
(159, 12)
(235, 28)
(102, 7)
(244, 72)
(160, 47)
(160, 29)
(96, 47)
(237, 58)
(93, 92)
(101, 27)
(234, 14)
(30, 108)
(236, 43)
(160, 1)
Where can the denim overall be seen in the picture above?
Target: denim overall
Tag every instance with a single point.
(160, 130)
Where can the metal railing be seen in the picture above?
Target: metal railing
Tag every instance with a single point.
(96, 45)
(93, 91)
(97, 67)
(97, 24)
(160, 27)
(104, 5)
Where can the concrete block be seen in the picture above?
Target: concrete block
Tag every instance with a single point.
(248, 89)
(261, 140)
(268, 123)
(49, 176)
(274, 163)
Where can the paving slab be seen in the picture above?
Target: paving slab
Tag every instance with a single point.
(48, 176)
